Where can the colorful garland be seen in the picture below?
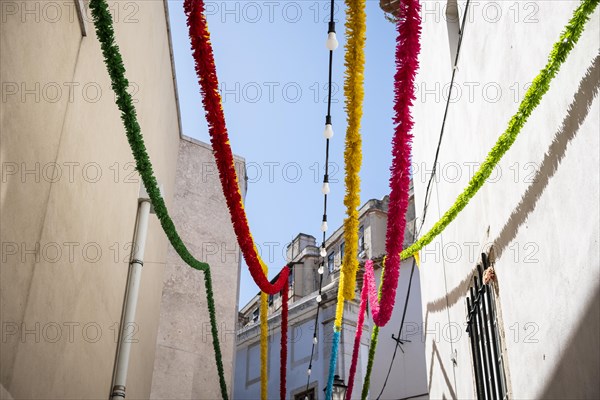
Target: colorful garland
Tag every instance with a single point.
(407, 63)
(211, 99)
(356, 27)
(284, 332)
(561, 49)
(359, 328)
(264, 345)
(354, 95)
(116, 70)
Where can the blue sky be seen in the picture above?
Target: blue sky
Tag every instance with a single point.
(272, 65)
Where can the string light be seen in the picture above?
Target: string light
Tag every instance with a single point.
(332, 44)
(324, 226)
(328, 132)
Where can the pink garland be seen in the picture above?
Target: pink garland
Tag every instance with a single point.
(359, 328)
(407, 63)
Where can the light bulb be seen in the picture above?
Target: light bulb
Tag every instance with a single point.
(315, 340)
(328, 133)
(332, 42)
(323, 252)
(320, 270)
(319, 298)
(308, 372)
(325, 189)
(324, 226)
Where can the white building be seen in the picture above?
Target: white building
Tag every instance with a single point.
(408, 376)
(536, 218)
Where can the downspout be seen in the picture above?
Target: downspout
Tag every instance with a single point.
(134, 278)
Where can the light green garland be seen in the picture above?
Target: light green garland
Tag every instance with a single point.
(540, 85)
(538, 88)
(116, 70)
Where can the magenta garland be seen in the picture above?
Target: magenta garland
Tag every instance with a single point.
(407, 63)
(359, 328)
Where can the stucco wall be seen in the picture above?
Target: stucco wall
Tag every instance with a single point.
(185, 362)
(538, 210)
(61, 303)
(408, 377)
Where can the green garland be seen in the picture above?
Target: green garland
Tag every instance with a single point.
(367, 383)
(538, 88)
(116, 70)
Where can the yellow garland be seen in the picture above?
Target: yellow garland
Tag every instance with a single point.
(264, 342)
(264, 324)
(339, 308)
(354, 93)
(264, 335)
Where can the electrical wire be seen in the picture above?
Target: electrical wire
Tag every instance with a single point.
(437, 151)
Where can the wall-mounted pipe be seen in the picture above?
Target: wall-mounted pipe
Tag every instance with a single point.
(131, 297)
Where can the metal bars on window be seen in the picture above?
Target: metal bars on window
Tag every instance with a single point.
(482, 327)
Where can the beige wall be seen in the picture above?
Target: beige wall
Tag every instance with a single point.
(55, 296)
(185, 362)
(539, 209)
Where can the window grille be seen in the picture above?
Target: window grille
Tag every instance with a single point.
(482, 327)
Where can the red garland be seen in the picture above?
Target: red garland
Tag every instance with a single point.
(407, 63)
(211, 99)
(284, 332)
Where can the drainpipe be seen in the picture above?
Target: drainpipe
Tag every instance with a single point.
(131, 297)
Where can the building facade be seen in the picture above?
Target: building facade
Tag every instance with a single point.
(536, 219)
(408, 377)
(69, 196)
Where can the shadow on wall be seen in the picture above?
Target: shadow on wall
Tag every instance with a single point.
(4, 395)
(578, 110)
(577, 113)
(574, 360)
(576, 373)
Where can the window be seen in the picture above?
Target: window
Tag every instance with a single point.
(486, 350)
(270, 299)
(331, 262)
(342, 251)
(255, 315)
(361, 239)
(308, 394)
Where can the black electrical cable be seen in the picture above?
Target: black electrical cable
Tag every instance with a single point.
(412, 270)
(427, 191)
(331, 29)
(437, 151)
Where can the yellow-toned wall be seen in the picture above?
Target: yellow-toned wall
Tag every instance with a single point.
(65, 300)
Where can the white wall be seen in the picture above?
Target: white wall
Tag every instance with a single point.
(408, 375)
(539, 210)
